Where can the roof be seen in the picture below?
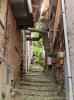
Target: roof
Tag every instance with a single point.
(21, 12)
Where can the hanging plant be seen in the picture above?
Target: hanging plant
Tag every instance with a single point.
(54, 61)
(60, 54)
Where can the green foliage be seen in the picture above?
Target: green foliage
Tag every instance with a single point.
(37, 51)
(37, 46)
(37, 60)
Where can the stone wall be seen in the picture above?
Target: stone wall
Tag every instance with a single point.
(70, 26)
(29, 53)
(10, 51)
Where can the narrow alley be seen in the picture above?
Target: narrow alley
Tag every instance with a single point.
(36, 50)
(37, 86)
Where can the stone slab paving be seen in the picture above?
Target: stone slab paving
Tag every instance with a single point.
(36, 86)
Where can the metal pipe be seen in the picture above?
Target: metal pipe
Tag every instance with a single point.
(67, 52)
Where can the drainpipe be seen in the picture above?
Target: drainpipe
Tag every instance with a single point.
(68, 67)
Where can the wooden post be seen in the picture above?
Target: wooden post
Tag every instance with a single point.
(46, 62)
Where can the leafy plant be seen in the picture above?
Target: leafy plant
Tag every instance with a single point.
(37, 46)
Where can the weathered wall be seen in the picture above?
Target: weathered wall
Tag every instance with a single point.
(70, 26)
(29, 53)
(57, 21)
(10, 51)
(12, 43)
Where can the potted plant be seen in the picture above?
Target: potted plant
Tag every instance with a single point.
(60, 54)
(61, 61)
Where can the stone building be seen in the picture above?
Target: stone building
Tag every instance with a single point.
(10, 51)
(11, 43)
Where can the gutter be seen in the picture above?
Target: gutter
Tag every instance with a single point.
(68, 66)
(28, 6)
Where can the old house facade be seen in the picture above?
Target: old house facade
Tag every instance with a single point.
(10, 47)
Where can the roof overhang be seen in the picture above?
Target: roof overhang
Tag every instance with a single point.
(22, 11)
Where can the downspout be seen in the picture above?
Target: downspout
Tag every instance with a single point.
(68, 67)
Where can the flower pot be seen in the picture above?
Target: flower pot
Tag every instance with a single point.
(60, 54)
(54, 61)
(61, 61)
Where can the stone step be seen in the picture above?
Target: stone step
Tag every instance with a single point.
(38, 88)
(32, 97)
(36, 84)
(37, 76)
(34, 71)
(34, 74)
(37, 80)
(38, 93)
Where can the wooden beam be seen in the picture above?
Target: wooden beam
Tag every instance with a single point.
(57, 21)
(25, 22)
(39, 31)
(32, 39)
(16, 1)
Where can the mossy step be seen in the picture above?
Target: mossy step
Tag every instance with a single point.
(38, 93)
(38, 88)
(32, 97)
(37, 84)
(36, 71)
(34, 74)
(37, 76)
(36, 80)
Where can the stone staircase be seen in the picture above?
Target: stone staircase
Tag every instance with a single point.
(36, 86)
